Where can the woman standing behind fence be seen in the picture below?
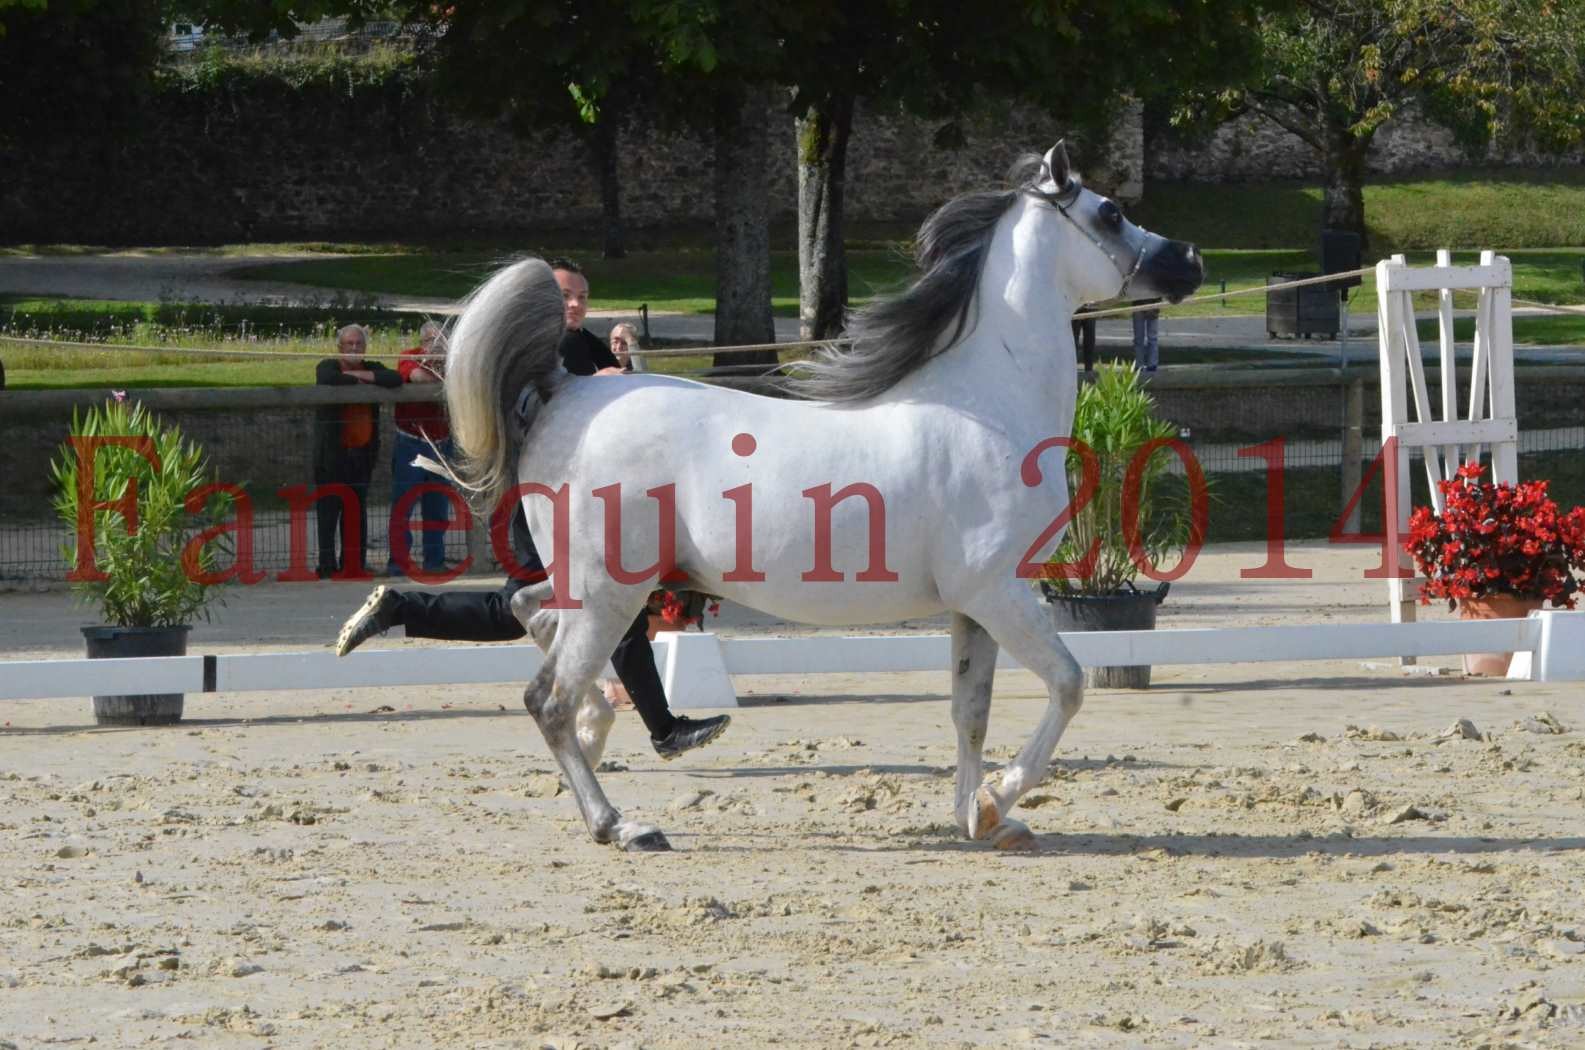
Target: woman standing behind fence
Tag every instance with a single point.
(624, 340)
(418, 423)
(1146, 352)
(346, 444)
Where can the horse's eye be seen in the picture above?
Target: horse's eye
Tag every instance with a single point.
(1112, 215)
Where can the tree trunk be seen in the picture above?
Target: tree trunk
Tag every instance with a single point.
(822, 260)
(603, 147)
(1343, 200)
(742, 224)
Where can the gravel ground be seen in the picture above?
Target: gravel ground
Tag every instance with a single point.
(1259, 854)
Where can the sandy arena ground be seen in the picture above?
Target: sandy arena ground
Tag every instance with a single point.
(1250, 855)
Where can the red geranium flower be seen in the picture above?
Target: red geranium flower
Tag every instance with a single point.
(1497, 540)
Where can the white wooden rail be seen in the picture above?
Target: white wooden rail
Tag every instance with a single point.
(696, 667)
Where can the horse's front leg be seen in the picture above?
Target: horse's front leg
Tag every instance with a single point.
(1026, 628)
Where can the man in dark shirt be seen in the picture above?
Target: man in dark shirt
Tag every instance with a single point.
(582, 352)
(486, 616)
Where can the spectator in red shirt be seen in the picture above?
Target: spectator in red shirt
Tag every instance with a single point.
(417, 424)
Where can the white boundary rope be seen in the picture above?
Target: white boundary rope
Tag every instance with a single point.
(700, 351)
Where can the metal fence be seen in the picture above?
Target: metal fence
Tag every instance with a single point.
(258, 438)
(1328, 421)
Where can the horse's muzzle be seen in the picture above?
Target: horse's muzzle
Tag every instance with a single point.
(1173, 269)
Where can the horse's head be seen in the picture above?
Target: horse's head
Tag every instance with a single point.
(1131, 262)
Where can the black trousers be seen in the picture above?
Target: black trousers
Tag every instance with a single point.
(486, 616)
(1084, 340)
(352, 468)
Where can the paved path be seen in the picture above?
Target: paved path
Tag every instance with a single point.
(137, 275)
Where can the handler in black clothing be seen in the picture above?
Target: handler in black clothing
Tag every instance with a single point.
(346, 448)
(486, 616)
(1084, 338)
(582, 352)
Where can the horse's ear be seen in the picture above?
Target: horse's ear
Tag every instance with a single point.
(1057, 164)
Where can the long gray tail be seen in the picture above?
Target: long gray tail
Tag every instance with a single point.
(503, 344)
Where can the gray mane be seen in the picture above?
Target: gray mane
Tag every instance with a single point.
(896, 334)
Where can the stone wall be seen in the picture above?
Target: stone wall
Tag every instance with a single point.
(262, 162)
(254, 160)
(1251, 148)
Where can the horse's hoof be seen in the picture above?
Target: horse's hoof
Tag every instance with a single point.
(987, 815)
(606, 828)
(1015, 836)
(645, 840)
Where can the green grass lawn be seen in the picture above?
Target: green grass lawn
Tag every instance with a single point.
(1471, 209)
(1248, 231)
(1536, 217)
(61, 318)
(684, 281)
(31, 367)
(1313, 500)
(680, 280)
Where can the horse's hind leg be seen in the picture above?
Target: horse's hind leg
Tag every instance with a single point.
(1021, 624)
(578, 649)
(593, 725)
(595, 714)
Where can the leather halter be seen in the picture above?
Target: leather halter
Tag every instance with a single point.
(1065, 200)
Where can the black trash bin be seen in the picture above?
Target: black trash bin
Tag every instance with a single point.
(1311, 310)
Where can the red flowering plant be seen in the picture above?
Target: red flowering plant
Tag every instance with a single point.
(1497, 540)
(677, 609)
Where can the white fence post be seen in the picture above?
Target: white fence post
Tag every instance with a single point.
(694, 673)
(1491, 419)
(1559, 655)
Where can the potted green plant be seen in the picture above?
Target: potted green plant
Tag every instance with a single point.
(1496, 551)
(123, 485)
(1129, 514)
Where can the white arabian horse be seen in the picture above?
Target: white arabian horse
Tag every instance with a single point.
(909, 484)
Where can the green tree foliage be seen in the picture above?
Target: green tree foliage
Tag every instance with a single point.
(581, 66)
(1335, 71)
(722, 60)
(577, 66)
(941, 60)
(75, 67)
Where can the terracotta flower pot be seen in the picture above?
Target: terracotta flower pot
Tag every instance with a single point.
(1495, 607)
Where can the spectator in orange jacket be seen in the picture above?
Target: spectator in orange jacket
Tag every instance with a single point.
(346, 448)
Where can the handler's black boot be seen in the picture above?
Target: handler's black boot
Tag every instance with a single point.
(687, 733)
(380, 612)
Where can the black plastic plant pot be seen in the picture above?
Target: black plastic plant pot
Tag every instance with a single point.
(137, 709)
(1126, 610)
